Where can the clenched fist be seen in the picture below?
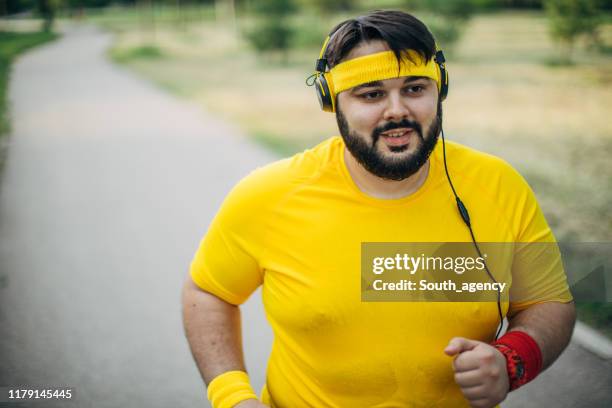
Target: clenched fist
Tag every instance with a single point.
(480, 371)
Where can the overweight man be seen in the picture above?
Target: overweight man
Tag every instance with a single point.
(297, 227)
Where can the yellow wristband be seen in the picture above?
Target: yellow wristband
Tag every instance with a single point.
(230, 388)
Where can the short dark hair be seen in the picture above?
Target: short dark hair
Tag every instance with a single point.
(400, 30)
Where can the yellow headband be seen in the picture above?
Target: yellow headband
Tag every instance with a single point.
(378, 67)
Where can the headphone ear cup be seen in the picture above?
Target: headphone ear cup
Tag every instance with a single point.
(326, 99)
(443, 82)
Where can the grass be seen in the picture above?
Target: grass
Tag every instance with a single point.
(143, 52)
(510, 95)
(11, 45)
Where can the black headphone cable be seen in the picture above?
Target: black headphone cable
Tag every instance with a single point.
(465, 216)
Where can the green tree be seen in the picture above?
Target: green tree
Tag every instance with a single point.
(570, 19)
(274, 8)
(273, 31)
(460, 10)
(449, 19)
(328, 7)
(48, 9)
(16, 6)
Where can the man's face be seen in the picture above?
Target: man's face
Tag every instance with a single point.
(389, 126)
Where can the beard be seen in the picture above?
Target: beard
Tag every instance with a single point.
(387, 167)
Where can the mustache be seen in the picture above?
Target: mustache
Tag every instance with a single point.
(405, 123)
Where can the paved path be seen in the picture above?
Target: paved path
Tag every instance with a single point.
(108, 187)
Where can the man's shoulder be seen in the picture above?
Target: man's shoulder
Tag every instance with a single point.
(275, 179)
(489, 184)
(466, 155)
(473, 164)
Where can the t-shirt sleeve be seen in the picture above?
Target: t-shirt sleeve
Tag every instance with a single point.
(537, 270)
(227, 261)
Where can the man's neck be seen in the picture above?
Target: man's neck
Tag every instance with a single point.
(381, 188)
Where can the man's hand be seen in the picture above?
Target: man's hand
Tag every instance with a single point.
(250, 403)
(480, 371)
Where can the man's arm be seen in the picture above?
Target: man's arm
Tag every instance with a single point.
(480, 369)
(213, 330)
(550, 324)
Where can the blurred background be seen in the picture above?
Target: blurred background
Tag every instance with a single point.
(529, 80)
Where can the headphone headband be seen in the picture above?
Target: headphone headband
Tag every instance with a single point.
(321, 64)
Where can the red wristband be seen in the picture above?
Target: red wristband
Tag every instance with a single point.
(523, 357)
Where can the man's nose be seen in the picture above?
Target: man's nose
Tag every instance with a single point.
(397, 108)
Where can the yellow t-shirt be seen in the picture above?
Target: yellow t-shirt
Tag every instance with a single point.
(296, 227)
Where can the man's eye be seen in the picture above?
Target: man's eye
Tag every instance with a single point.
(371, 95)
(415, 89)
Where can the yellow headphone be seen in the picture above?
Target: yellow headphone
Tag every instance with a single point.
(374, 67)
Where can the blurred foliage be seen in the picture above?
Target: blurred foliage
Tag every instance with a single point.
(448, 19)
(322, 7)
(447, 34)
(48, 10)
(79, 4)
(142, 52)
(273, 31)
(17, 6)
(310, 31)
(328, 7)
(519, 4)
(570, 19)
(274, 8)
(12, 44)
(458, 10)
(271, 35)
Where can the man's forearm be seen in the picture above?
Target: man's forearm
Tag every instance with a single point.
(550, 324)
(212, 327)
